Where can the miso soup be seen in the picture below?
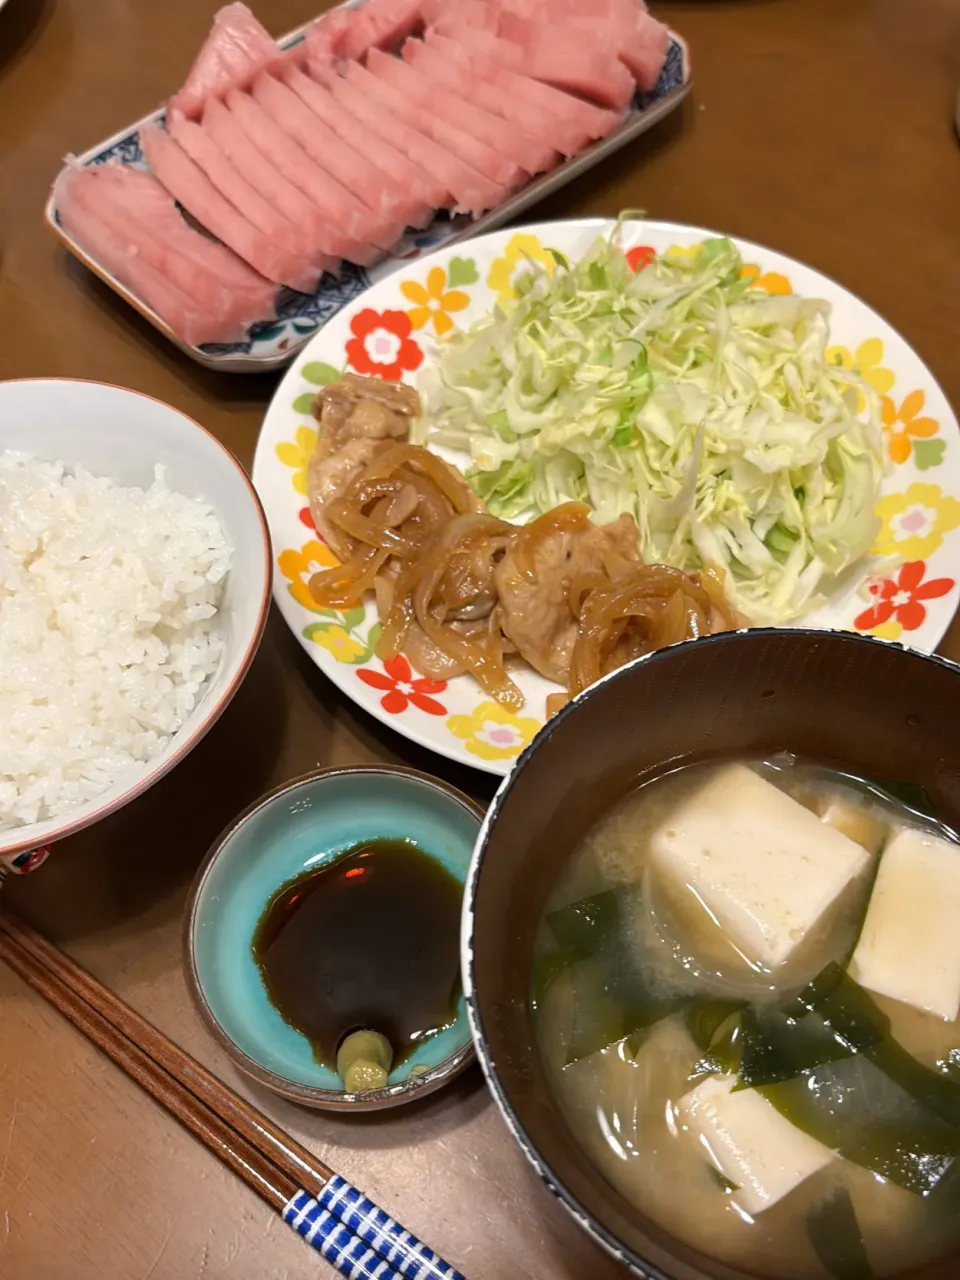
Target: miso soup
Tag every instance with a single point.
(746, 992)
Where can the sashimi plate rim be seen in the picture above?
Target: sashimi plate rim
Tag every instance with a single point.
(920, 497)
(290, 333)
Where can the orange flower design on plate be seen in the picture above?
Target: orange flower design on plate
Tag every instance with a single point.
(435, 302)
(381, 344)
(298, 567)
(769, 281)
(899, 602)
(908, 432)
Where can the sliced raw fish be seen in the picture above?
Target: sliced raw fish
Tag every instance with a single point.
(644, 53)
(426, 90)
(474, 193)
(347, 220)
(396, 169)
(623, 26)
(568, 122)
(381, 24)
(142, 264)
(535, 152)
(390, 207)
(506, 54)
(473, 13)
(267, 180)
(323, 43)
(136, 195)
(245, 198)
(437, 125)
(424, 152)
(191, 188)
(234, 51)
(569, 59)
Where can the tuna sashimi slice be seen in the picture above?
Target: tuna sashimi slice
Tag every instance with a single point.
(345, 219)
(192, 259)
(427, 90)
(324, 41)
(645, 53)
(422, 151)
(568, 122)
(397, 168)
(245, 198)
(624, 26)
(142, 264)
(267, 180)
(234, 51)
(487, 106)
(504, 52)
(381, 24)
(390, 208)
(191, 187)
(438, 125)
(472, 13)
(568, 59)
(473, 192)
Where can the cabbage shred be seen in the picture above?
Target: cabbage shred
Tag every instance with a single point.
(706, 410)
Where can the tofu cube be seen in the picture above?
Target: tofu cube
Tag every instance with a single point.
(750, 1142)
(855, 821)
(762, 866)
(909, 947)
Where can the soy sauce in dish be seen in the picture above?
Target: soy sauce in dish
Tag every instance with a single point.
(367, 941)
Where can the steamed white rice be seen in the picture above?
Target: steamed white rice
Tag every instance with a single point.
(109, 630)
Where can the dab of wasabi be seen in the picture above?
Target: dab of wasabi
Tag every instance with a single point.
(363, 1061)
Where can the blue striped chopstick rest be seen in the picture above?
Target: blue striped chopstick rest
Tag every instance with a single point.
(411, 1258)
(334, 1241)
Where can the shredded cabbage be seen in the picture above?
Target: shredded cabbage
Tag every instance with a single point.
(706, 410)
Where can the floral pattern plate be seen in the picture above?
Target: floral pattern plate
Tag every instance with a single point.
(273, 343)
(393, 331)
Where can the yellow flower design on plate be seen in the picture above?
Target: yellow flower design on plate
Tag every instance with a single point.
(522, 250)
(907, 432)
(769, 281)
(298, 567)
(339, 642)
(683, 255)
(434, 301)
(914, 522)
(493, 733)
(297, 453)
(866, 362)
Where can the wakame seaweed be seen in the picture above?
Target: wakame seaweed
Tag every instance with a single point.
(611, 1001)
(835, 1235)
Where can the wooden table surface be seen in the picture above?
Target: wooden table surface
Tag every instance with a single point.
(820, 128)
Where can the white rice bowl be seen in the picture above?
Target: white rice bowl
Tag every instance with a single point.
(109, 629)
(134, 583)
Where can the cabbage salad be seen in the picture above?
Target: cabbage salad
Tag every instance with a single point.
(705, 409)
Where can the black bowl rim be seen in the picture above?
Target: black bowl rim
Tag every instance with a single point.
(601, 1234)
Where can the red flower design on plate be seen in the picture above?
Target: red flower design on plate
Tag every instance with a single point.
(401, 689)
(381, 344)
(640, 256)
(901, 598)
(307, 519)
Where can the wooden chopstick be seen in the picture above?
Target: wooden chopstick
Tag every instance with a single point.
(347, 1229)
(245, 1160)
(287, 1154)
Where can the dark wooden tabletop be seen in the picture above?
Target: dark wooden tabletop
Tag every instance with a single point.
(822, 129)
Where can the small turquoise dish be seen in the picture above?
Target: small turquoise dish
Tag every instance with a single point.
(297, 827)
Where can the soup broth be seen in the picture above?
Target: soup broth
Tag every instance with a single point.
(746, 990)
